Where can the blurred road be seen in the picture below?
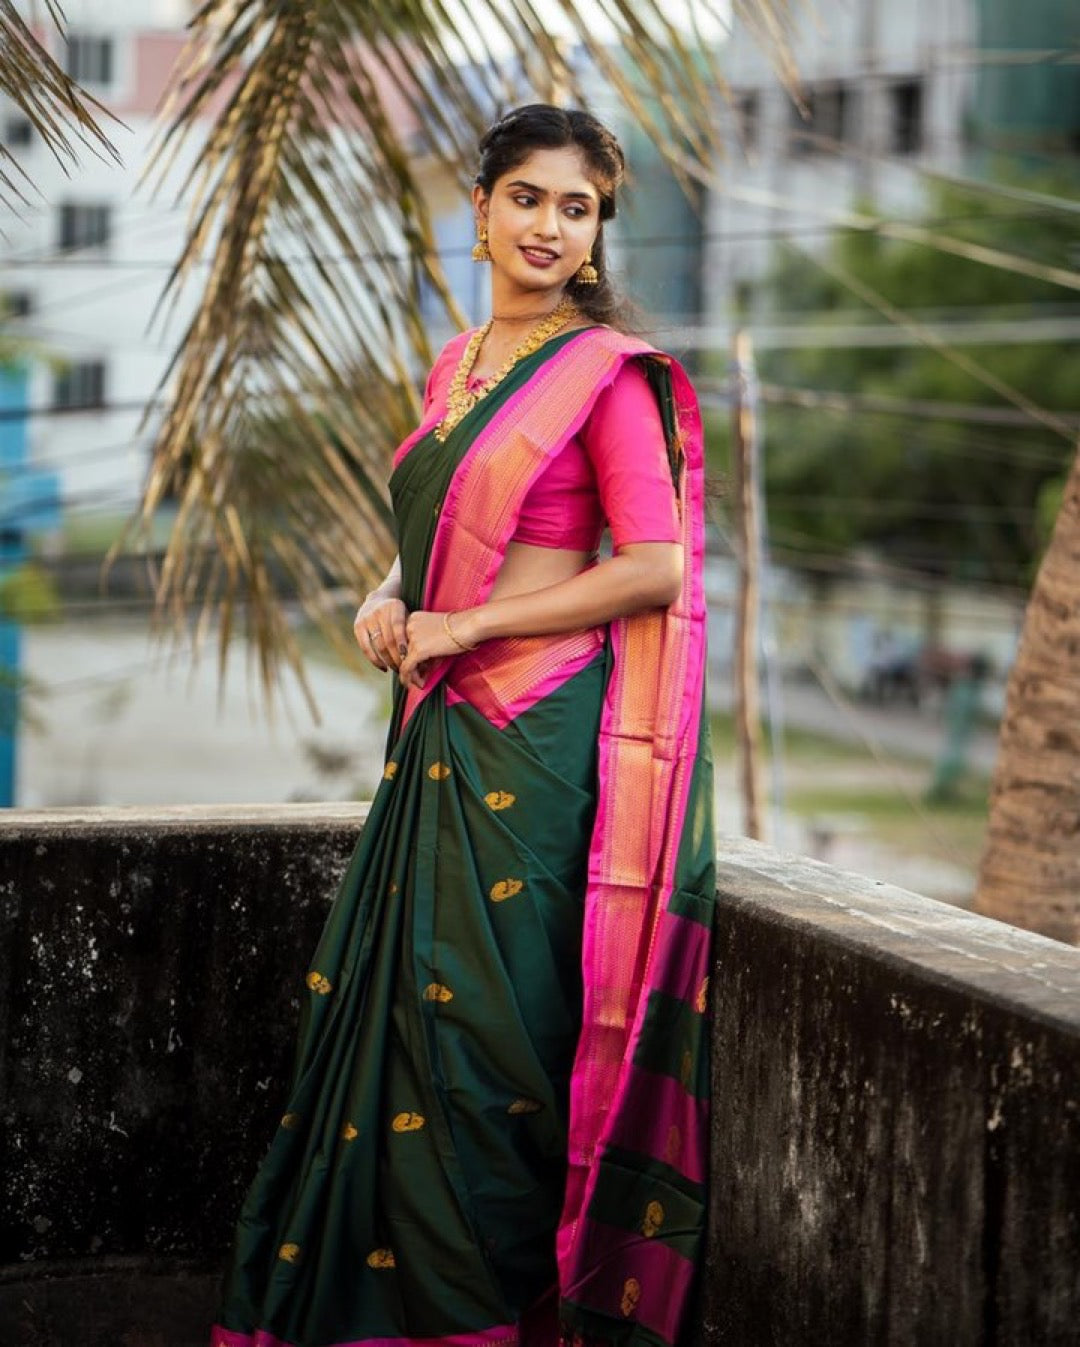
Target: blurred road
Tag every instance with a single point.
(895, 729)
(116, 720)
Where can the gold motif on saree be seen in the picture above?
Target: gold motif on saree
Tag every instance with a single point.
(381, 1258)
(654, 1219)
(319, 984)
(701, 1001)
(631, 1294)
(289, 1253)
(438, 771)
(436, 991)
(390, 771)
(686, 1069)
(349, 1132)
(391, 890)
(408, 1122)
(525, 1106)
(506, 888)
(499, 799)
(290, 1120)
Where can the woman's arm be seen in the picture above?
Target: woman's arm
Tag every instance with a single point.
(638, 576)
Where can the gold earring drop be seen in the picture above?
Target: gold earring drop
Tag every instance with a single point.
(587, 274)
(480, 252)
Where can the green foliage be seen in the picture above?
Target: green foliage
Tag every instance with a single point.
(28, 594)
(936, 492)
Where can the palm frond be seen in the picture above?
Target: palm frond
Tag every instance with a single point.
(309, 202)
(63, 114)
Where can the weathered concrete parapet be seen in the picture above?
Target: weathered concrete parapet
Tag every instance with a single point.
(896, 1087)
(152, 964)
(896, 1127)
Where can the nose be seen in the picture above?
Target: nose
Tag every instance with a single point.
(546, 224)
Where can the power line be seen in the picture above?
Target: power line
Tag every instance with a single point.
(912, 509)
(882, 404)
(99, 409)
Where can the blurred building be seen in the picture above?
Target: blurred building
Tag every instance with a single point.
(886, 90)
(892, 94)
(83, 266)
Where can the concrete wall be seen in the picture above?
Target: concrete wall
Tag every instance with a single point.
(896, 1087)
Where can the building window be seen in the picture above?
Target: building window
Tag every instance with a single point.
(90, 59)
(84, 226)
(829, 117)
(906, 113)
(15, 304)
(80, 385)
(747, 109)
(18, 132)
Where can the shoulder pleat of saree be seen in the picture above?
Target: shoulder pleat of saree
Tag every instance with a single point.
(633, 1220)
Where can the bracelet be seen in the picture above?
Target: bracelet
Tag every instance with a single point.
(450, 632)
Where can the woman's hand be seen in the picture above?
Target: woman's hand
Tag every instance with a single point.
(379, 628)
(428, 639)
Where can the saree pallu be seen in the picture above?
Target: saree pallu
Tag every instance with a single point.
(496, 1127)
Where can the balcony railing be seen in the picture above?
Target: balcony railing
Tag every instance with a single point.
(896, 1087)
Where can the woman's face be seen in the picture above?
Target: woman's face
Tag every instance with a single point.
(542, 218)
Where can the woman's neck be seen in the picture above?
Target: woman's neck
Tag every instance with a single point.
(512, 306)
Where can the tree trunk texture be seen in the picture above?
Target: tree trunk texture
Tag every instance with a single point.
(1030, 869)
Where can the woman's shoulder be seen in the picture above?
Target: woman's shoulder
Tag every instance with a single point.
(619, 343)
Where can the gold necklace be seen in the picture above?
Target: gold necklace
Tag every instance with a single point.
(460, 399)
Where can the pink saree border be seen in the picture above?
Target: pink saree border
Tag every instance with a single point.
(502, 1336)
(648, 746)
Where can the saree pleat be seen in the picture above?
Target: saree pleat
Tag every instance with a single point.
(414, 1188)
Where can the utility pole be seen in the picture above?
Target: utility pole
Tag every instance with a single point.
(747, 556)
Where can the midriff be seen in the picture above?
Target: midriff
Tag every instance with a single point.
(526, 568)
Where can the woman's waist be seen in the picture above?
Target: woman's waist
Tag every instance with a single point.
(527, 567)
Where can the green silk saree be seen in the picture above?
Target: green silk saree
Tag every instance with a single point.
(496, 1126)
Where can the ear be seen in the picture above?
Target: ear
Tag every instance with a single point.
(480, 201)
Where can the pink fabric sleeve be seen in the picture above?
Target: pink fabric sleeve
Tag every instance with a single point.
(442, 371)
(624, 438)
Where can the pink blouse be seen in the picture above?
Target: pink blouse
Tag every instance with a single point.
(615, 469)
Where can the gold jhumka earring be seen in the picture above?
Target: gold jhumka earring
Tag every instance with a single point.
(481, 252)
(587, 274)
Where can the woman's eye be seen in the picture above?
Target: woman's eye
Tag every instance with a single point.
(525, 200)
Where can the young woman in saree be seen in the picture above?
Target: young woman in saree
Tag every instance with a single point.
(496, 1127)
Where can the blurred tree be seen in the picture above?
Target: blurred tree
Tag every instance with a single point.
(1030, 870)
(945, 494)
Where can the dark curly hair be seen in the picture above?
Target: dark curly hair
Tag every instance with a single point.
(540, 126)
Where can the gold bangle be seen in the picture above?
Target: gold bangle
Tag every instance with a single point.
(450, 632)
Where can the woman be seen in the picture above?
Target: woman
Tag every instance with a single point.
(496, 1127)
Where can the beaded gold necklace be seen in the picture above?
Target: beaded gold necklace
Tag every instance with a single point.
(460, 399)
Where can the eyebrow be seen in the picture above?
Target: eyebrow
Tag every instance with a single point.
(542, 191)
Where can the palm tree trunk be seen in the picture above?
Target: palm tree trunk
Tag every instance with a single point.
(1030, 870)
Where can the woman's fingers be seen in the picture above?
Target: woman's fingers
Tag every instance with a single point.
(413, 670)
(380, 633)
(399, 640)
(376, 648)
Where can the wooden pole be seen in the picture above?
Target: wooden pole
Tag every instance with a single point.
(748, 550)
